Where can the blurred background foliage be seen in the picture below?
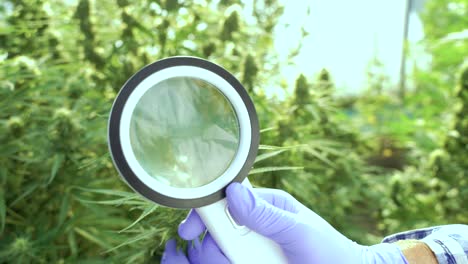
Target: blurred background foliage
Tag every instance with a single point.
(371, 164)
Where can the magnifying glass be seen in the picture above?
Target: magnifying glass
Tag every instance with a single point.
(180, 130)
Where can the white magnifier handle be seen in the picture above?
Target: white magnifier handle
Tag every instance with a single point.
(240, 244)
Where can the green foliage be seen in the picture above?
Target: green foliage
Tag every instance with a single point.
(441, 19)
(370, 165)
(423, 135)
(61, 66)
(450, 165)
(250, 72)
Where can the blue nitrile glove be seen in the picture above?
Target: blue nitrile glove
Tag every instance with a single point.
(172, 255)
(206, 252)
(302, 234)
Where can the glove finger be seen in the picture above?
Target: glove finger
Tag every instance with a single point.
(173, 256)
(278, 198)
(211, 248)
(194, 251)
(171, 247)
(207, 252)
(192, 226)
(252, 211)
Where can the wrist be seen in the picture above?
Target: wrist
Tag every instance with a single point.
(383, 253)
(416, 252)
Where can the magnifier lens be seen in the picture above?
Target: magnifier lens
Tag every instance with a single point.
(184, 132)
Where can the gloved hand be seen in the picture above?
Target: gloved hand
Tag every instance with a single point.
(302, 234)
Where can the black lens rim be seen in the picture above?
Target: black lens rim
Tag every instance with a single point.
(115, 146)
